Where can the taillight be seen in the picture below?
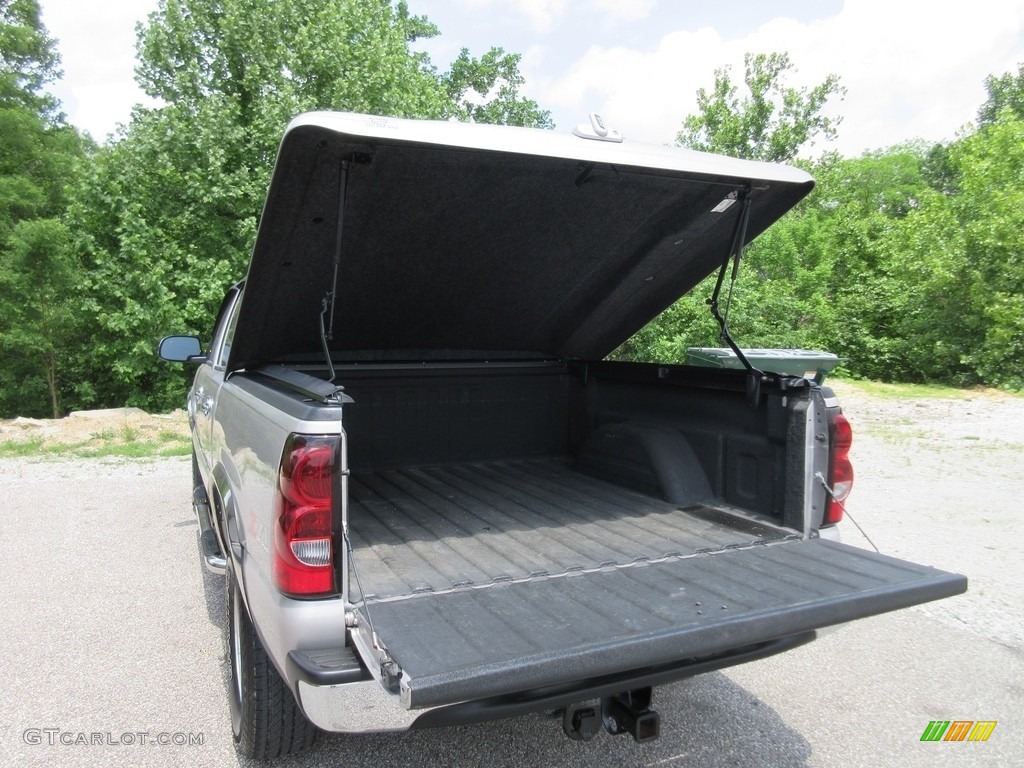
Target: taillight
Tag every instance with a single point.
(304, 530)
(840, 476)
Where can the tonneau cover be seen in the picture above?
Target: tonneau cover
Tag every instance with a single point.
(458, 241)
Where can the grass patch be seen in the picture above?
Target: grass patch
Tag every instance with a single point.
(129, 434)
(136, 450)
(129, 446)
(900, 434)
(903, 391)
(12, 449)
(181, 448)
(123, 443)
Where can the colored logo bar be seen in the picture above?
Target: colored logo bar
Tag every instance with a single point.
(958, 730)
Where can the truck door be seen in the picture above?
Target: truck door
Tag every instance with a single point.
(210, 378)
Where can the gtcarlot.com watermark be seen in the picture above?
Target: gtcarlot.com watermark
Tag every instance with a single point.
(59, 737)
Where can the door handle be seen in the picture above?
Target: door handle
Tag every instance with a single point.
(206, 405)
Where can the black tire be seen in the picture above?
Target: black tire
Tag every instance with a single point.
(265, 719)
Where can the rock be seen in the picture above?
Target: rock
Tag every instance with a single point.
(27, 423)
(107, 413)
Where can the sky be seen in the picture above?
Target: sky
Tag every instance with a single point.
(911, 70)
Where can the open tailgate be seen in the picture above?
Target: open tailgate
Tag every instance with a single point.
(477, 643)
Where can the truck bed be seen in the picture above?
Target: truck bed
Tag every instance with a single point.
(485, 578)
(469, 525)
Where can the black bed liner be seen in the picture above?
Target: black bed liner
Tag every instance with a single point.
(495, 578)
(459, 525)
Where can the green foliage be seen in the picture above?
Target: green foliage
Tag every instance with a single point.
(39, 323)
(470, 81)
(168, 215)
(270, 59)
(39, 157)
(772, 122)
(906, 282)
(908, 262)
(163, 228)
(1004, 92)
(990, 212)
(788, 305)
(28, 59)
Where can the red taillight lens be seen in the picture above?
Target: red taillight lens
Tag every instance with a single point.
(304, 533)
(840, 478)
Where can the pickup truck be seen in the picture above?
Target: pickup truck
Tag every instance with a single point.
(434, 498)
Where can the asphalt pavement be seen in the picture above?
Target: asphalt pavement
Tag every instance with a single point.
(112, 651)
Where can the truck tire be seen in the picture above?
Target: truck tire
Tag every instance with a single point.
(265, 719)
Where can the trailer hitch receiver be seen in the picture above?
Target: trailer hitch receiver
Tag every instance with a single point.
(631, 712)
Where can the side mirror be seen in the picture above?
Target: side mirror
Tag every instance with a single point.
(181, 349)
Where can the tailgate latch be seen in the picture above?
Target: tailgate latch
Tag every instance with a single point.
(390, 673)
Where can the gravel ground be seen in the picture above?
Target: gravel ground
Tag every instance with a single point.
(939, 481)
(111, 628)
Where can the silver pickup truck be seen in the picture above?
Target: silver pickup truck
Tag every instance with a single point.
(435, 500)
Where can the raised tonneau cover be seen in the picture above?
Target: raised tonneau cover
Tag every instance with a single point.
(428, 240)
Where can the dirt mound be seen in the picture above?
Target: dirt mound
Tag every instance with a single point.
(96, 429)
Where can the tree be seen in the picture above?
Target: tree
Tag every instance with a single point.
(990, 213)
(39, 156)
(771, 123)
(28, 58)
(907, 262)
(1004, 92)
(169, 214)
(496, 74)
(39, 322)
(893, 283)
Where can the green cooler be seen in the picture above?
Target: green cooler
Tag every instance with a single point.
(809, 363)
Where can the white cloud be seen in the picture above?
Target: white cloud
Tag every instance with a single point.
(97, 46)
(909, 71)
(542, 14)
(643, 94)
(913, 74)
(625, 10)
